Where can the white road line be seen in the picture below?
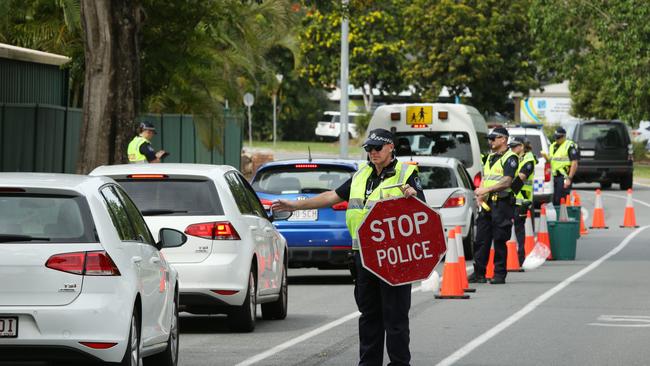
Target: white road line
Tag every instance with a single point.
(478, 341)
(624, 198)
(281, 347)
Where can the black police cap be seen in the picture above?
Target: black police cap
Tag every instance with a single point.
(378, 137)
(498, 131)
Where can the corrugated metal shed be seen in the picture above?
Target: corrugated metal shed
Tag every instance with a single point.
(29, 76)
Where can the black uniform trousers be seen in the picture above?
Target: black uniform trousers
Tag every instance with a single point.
(495, 225)
(558, 189)
(384, 313)
(520, 231)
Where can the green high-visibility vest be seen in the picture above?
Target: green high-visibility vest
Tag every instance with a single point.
(526, 193)
(492, 174)
(358, 209)
(560, 162)
(135, 156)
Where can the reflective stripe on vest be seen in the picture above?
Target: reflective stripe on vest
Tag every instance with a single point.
(133, 151)
(357, 210)
(493, 174)
(560, 161)
(528, 183)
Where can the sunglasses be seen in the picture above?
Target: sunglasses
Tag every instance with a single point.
(369, 148)
(492, 138)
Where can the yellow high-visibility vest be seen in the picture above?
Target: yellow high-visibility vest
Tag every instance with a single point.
(358, 209)
(560, 162)
(528, 183)
(133, 151)
(492, 174)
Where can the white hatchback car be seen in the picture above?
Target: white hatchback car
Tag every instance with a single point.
(448, 188)
(234, 257)
(82, 277)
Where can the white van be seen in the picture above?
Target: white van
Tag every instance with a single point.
(436, 129)
(330, 127)
(543, 182)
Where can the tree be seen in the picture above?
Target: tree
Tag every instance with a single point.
(480, 45)
(602, 48)
(376, 46)
(112, 82)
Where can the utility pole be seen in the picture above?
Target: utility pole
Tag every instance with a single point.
(343, 136)
(279, 77)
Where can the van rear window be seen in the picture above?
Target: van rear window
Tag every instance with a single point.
(607, 135)
(43, 218)
(535, 142)
(448, 144)
(434, 177)
(175, 197)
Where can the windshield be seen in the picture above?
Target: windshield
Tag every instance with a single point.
(180, 197)
(448, 144)
(35, 218)
(434, 177)
(289, 179)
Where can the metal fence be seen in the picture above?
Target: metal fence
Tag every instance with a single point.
(45, 138)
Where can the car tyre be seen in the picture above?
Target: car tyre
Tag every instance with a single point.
(278, 309)
(132, 355)
(169, 357)
(242, 318)
(626, 182)
(605, 185)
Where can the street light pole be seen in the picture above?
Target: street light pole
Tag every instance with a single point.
(343, 135)
(279, 77)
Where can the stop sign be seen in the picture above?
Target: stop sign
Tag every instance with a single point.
(401, 240)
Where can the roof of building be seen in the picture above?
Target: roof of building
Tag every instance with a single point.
(29, 55)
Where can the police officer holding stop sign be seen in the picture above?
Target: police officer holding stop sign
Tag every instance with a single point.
(384, 308)
(497, 202)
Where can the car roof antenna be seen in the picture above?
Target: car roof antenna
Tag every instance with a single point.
(309, 151)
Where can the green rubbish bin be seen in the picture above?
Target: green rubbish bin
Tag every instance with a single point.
(574, 214)
(563, 236)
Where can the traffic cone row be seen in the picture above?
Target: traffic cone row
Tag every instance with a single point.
(452, 287)
(598, 221)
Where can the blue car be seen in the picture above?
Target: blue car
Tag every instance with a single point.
(316, 238)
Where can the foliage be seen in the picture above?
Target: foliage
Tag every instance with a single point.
(480, 45)
(639, 150)
(362, 123)
(376, 46)
(602, 48)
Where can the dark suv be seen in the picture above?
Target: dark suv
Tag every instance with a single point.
(605, 152)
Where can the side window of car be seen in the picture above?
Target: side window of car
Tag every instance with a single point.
(238, 193)
(118, 215)
(140, 226)
(464, 177)
(253, 200)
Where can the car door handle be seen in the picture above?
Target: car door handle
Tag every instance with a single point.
(154, 260)
(136, 260)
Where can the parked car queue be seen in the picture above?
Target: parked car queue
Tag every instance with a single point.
(84, 280)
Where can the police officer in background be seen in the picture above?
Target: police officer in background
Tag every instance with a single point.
(497, 202)
(564, 164)
(384, 308)
(522, 187)
(140, 150)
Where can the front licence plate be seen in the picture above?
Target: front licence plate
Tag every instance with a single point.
(304, 215)
(8, 327)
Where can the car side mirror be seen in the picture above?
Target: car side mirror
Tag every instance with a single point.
(170, 238)
(282, 215)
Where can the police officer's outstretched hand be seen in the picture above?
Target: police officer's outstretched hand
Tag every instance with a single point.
(283, 205)
(408, 191)
(160, 154)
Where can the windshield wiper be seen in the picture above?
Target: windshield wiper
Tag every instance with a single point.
(155, 212)
(6, 238)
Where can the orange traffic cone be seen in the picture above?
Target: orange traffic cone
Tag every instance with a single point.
(598, 221)
(578, 202)
(567, 200)
(512, 258)
(461, 261)
(542, 234)
(564, 214)
(629, 220)
(529, 242)
(489, 269)
(451, 287)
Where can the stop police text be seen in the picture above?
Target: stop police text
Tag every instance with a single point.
(406, 225)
